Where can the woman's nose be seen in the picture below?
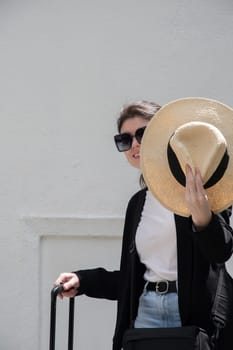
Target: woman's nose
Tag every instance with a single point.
(135, 142)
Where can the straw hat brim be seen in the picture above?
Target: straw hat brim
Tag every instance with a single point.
(154, 163)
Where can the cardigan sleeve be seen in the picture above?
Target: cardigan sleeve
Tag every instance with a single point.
(99, 283)
(216, 240)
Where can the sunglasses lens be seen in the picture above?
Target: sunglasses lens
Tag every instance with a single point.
(139, 134)
(123, 142)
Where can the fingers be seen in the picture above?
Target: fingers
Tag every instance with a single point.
(190, 188)
(63, 278)
(199, 184)
(69, 294)
(194, 185)
(196, 198)
(70, 283)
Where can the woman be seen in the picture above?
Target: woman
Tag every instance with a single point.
(171, 271)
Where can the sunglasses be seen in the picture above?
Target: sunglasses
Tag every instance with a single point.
(124, 141)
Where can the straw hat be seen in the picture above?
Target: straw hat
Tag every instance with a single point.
(197, 131)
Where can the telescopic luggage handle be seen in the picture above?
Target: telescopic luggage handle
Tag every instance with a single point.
(54, 293)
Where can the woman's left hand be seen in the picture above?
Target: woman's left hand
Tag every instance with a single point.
(197, 199)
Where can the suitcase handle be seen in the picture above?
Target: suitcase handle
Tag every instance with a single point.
(54, 293)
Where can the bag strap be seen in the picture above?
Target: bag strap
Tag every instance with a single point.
(221, 308)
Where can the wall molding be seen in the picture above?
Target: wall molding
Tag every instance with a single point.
(75, 226)
(37, 229)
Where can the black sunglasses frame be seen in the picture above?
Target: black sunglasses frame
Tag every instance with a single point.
(124, 141)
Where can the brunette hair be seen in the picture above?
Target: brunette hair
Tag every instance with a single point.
(143, 109)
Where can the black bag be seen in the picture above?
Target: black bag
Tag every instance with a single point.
(181, 338)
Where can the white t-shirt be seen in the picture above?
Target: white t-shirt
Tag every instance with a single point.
(156, 241)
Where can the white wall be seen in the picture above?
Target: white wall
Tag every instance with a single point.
(66, 68)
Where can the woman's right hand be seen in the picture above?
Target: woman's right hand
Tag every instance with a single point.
(70, 283)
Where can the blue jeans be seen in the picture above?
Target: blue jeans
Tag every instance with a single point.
(157, 310)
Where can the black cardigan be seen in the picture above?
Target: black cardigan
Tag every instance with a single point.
(199, 256)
